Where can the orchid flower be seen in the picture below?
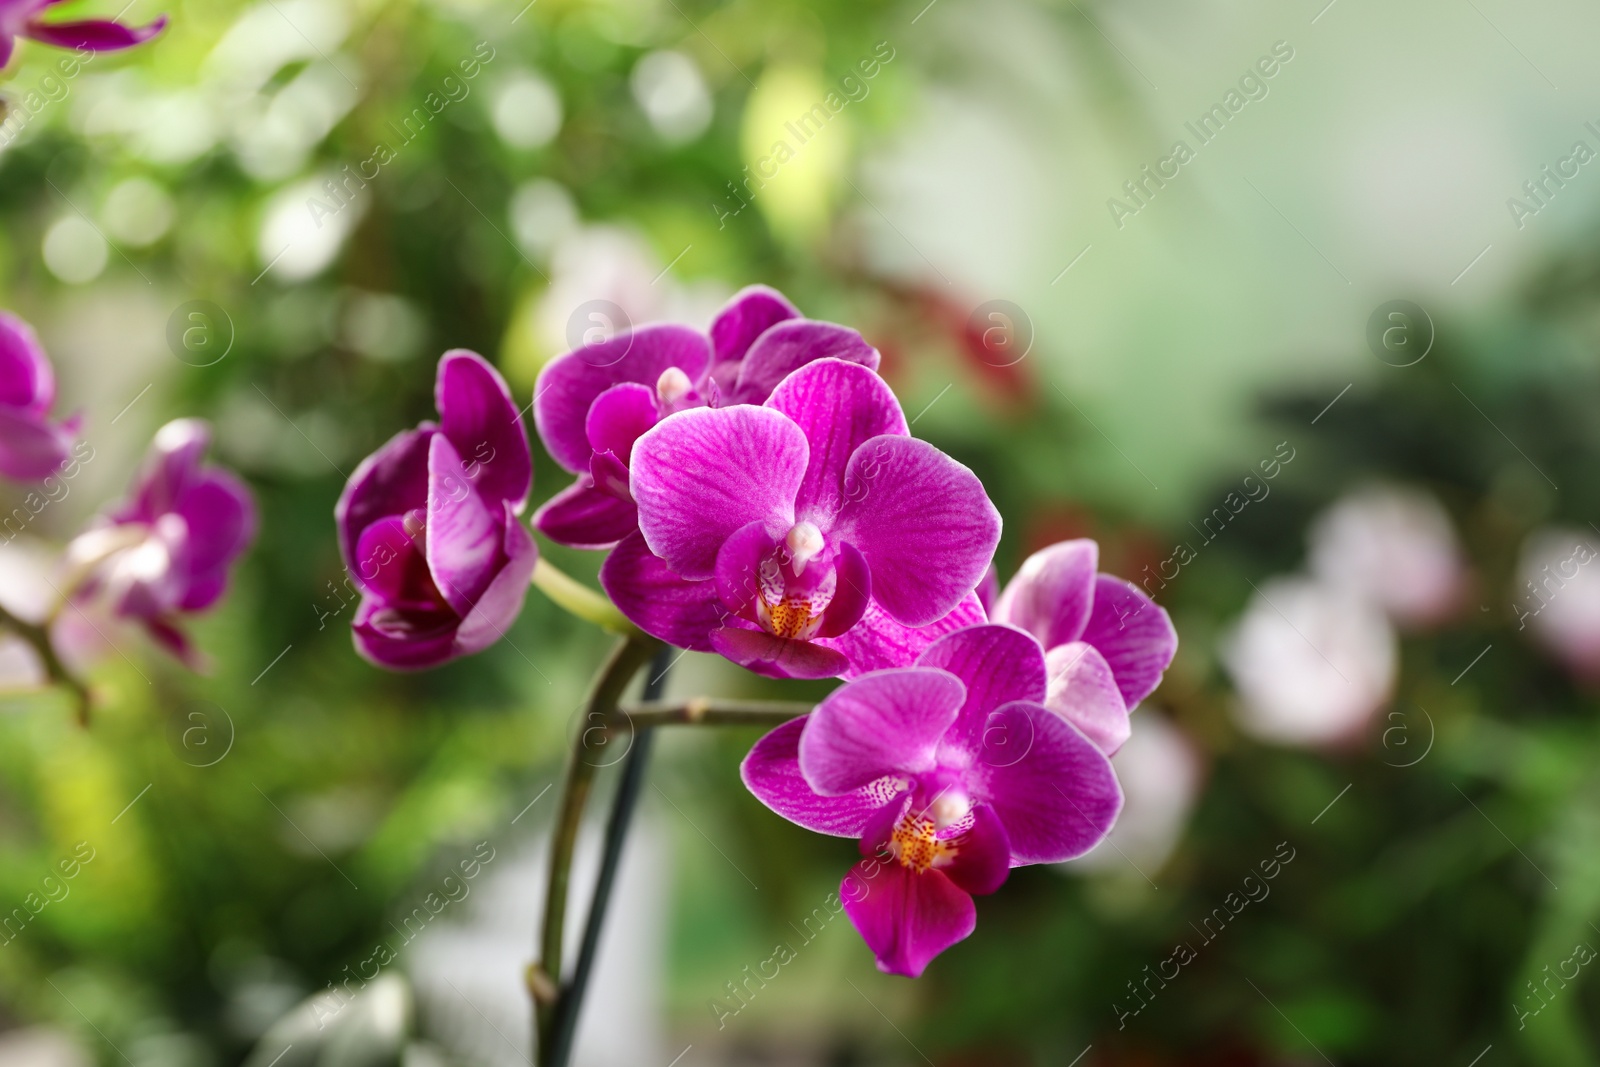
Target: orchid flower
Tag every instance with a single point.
(592, 404)
(25, 18)
(805, 538)
(31, 446)
(167, 550)
(1106, 642)
(429, 528)
(951, 772)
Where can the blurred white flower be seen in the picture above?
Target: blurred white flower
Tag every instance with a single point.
(1558, 596)
(1395, 547)
(74, 250)
(1311, 663)
(542, 213)
(305, 224)
(137, 212)
(669, 88)
(1160, 770)
(525, 110)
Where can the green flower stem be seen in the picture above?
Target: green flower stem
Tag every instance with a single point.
(706, 711)
(580, 600)
(544, 977)
(38, 636)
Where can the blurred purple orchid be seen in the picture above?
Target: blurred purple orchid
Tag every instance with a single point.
(805, 538)
(950, 772)
(429, 528)
(31, 446)
(25, 18)
(167, 549)
(1106, 642)
(592, 404)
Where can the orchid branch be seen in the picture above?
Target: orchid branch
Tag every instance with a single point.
(710, 711)
(38, 637)
(544, 976)
(578, 599)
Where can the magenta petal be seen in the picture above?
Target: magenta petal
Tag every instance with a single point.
(789, 346)
(481, 420)
(1133, 633)
(1084, 692)
(702, 474)
(924, 523)
(391, 481)
(390, 566)
(464, 536)
(498, 607)
(839, 407)
(739, 569)
(570, 383)
(747, 316)
(31, 449)
(94, 35)
(998, 664)
(27, 380)
(1054, 791)
(618, 416)
(776, 657)
(906, 917)
(677, 611)
(879, 642)
(404, 640)
(772, 772)
(852, 593)
(582, 516)
(1052, 593)
(171, 466)
(221, 517)
(982, 858)
(887, 722)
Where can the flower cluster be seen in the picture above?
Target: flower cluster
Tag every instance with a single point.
(761, 497)
(163, 553)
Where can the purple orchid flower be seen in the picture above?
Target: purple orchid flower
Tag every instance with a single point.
(1106, 642)
(806, 537)
(951, 772)
(31, 446)
(592, 404)
(167, 549)
(25, 18)
(429, 529)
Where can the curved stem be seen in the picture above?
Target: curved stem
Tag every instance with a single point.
(38, 636)
(565, 1027)
(709, 711)
(578, 599)
(544, 977)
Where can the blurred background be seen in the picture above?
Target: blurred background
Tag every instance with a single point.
(1293, 306)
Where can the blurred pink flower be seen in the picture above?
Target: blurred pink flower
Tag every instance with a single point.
(1312, 663)
(1558, 597)
(1395, 547)
(31, 446)
(166, 551)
